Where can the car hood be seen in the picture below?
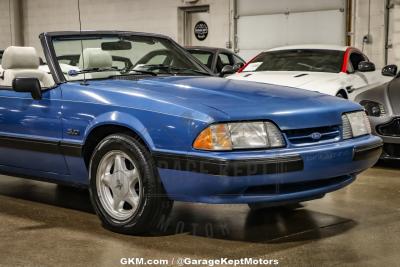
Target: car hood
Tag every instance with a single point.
(233, 100)
(299, 79)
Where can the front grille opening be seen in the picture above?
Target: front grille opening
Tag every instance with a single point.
(390, 129)
(392, 150)
(294, 187)
(307, 136)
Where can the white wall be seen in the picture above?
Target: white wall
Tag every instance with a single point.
(5, 39)
(372, 20)
(10, 23)
(394, 34)
(157, 16)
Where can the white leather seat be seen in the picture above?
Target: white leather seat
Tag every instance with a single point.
(23, 62)
(96, 58)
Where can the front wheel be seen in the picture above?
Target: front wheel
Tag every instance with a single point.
(125, 188)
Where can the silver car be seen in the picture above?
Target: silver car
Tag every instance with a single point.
(382, 104)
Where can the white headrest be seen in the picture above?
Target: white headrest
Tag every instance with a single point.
(95, 58)
(17, 57)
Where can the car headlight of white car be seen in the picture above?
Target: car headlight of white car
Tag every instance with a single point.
(355, 124)
(240, 135)
(373, 108)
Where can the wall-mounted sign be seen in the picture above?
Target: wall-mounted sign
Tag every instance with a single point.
(201, 30)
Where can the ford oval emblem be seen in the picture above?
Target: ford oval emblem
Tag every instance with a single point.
(316, 136)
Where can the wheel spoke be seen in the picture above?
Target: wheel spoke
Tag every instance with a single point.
(107, 179)
(119, 164)
(133, 176)
(117, 202)
(132, 199)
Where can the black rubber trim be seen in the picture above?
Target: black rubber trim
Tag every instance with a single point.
(43, 178)
(368, 152)
(51, 147)
(225, 167)
(69, 149)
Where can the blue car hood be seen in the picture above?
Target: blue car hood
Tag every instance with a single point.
(239, 100)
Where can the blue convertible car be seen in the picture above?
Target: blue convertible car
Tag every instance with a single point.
(142, 131)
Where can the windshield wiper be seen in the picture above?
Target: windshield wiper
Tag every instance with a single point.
(95, 70)
(90, 70)
(170, 69)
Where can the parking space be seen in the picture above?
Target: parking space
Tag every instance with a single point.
(47, 225)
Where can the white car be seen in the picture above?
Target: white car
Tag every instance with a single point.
(335, 70)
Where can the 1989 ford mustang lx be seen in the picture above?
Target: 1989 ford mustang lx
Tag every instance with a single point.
(143, 132)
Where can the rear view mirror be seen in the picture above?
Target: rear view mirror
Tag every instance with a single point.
(116, 46)
(389, 70)
(366, 66)
(31, 85)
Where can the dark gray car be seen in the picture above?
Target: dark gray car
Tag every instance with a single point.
(216, 59)
(382, 104)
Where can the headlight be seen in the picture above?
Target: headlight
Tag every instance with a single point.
(373, 109)
(246, 135)
(355, 124)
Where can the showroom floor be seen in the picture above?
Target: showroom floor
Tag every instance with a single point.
(45, 225)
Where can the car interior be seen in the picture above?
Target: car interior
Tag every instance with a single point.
(20, 62)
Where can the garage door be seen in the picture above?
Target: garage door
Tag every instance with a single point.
(264, 24)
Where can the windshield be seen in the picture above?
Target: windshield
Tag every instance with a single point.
(112, 56)
(298, 60)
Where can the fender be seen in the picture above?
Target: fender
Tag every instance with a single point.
(120, 119)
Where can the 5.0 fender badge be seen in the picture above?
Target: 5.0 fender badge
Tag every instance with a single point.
(73, 132)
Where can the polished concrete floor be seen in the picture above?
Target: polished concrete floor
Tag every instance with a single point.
(47, 225)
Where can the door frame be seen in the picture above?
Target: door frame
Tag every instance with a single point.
(183, 17)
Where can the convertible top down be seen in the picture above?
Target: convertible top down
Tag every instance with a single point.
(141, 133)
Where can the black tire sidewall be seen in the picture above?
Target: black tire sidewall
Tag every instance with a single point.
(149, 178)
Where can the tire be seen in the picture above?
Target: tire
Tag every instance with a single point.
(341, 95)
(125, 188)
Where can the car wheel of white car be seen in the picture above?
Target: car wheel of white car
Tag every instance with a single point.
(125, 188)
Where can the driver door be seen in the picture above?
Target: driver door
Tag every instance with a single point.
(30, 131)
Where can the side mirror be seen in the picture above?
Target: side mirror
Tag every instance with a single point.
(226, 70)
(31, 85)
(237, 66)
(366, 66)
(389, 70)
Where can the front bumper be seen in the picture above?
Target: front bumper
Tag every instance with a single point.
(266, 176)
